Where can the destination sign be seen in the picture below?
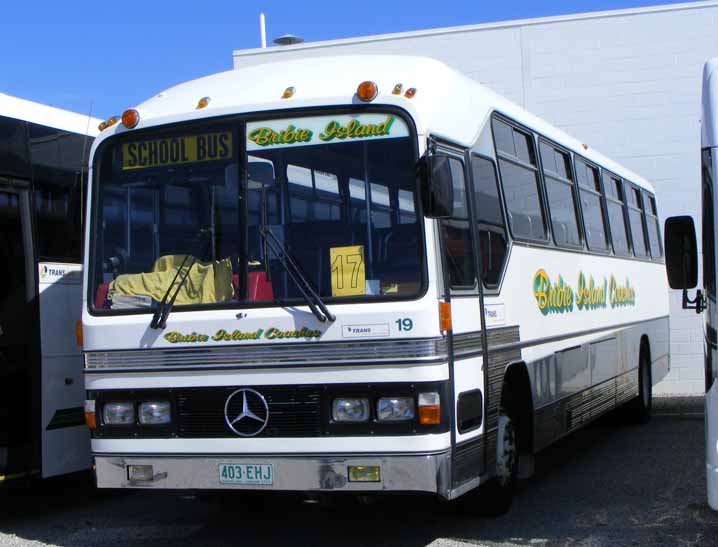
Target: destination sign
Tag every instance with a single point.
(308, 131)
(179, 150)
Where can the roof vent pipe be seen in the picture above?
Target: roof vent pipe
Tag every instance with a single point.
(262, 30)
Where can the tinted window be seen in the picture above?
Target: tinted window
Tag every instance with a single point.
(635, 216)
(57, 169)
(592, 206)
(458, 247)
(14, 159)
(709, 268)
(519, 176)
(490, 221)
(653, 226)
(616, 217)
(558, 177)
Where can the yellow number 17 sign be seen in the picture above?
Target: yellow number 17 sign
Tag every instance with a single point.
(348, 276)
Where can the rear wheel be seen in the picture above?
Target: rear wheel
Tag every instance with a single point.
(639, 410)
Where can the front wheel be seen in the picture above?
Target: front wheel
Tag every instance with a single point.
(498, 494)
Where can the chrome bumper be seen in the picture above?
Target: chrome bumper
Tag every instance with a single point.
(405, 473)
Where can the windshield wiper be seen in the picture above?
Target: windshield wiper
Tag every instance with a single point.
(159, 319)
(313, 300)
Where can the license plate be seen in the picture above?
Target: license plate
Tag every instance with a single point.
(246, 473)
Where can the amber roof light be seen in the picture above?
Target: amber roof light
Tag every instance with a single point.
(367, 91)
(130, 118)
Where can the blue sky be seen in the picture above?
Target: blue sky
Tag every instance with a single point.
(113, 55)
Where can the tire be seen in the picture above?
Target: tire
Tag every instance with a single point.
(498, 494)
(639, 410)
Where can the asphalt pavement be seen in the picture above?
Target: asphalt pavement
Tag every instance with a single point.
(607, 485)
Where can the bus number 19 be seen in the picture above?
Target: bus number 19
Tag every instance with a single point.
(404, 324)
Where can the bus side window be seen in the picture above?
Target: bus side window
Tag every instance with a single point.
(558, 177)
(653, 225)
(14, 157)
(635, 217)
(613, 188)
(489, 220)
(520, 180)
(57, 159)
(589, 183)
(709, 270)
(456, 234)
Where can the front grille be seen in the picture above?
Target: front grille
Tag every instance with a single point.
(294, 411)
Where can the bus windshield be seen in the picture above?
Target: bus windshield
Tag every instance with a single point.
(221, 204)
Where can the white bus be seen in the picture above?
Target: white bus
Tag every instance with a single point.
(43, 154)
(358, 274)
(682, 265)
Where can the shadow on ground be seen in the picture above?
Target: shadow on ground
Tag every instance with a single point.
(609, 484)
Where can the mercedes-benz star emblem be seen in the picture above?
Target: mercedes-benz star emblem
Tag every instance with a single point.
(253, 416)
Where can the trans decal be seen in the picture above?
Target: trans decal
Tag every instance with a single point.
(306, 131)
(557, 296)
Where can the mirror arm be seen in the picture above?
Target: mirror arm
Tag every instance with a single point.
(698, 303)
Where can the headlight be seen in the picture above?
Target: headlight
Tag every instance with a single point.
(395, 409)
(155, 413)
(118, 413)
(350, 410)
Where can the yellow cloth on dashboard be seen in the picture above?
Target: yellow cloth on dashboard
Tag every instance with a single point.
(208, 282)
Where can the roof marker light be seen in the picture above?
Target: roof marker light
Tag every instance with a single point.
(367, 91)
(289, 92)
(202, 103)
(398, 88)
(130, 118)
(410, 92)
(108, 123)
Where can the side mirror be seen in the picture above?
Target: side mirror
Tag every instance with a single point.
(260, 174)
(436, 186)
(681, 252)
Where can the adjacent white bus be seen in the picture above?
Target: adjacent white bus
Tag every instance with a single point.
(43, 154)
(358, 274)
(682, 264)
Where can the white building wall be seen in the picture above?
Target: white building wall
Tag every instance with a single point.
(626, 82)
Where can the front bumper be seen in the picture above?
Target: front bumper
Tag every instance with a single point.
(398, 473)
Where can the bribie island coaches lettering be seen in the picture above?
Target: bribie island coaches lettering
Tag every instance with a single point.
(559, 297)
(222, 335)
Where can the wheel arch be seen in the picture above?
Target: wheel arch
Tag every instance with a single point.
(517, 393)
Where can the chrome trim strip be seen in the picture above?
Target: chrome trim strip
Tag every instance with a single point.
(368, 352)
(316, 473)
(276, 355)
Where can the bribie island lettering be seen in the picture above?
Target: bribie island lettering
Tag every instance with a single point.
(266, 136)
(355, 129)
(559, 297)
(333, 130)
(272, 333)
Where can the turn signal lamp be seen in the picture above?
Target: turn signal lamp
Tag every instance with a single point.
(445, 316)
(203, 102)
(398, 88)
(429, 408)
(90, 416)
(78, 333)
(289, 92)
(410, 92)
(130, 118)
(367, 91)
